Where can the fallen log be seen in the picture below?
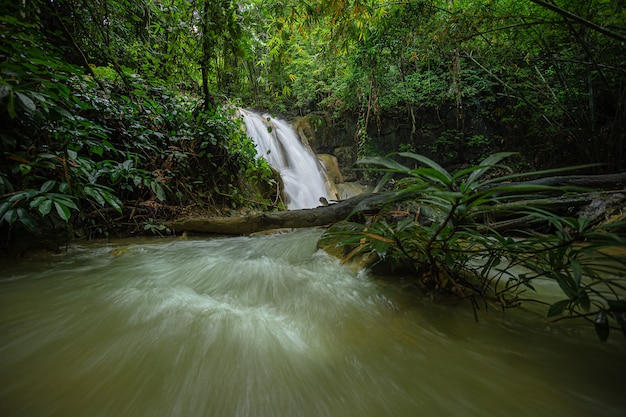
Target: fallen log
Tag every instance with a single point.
(606, 182)
(243, 225)
(502, 217)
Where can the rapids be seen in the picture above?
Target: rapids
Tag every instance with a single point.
(269, 326)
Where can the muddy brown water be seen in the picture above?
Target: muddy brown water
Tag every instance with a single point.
(269, 326)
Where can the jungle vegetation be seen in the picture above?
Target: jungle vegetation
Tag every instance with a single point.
(118, 114)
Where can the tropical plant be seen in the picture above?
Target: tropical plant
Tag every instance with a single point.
(442, 238)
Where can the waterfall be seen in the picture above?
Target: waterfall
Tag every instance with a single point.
(277, 142)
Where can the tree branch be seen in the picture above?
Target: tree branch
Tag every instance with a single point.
(578, 19)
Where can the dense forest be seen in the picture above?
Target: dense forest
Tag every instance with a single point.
(111, 107)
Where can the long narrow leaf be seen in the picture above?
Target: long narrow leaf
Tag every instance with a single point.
(428, 162)
(487, 164)
(540, 173)
(386, 162)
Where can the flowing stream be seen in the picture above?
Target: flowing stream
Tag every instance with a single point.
(276, 141)
(269, 326)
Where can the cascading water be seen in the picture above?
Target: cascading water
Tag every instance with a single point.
(268, 326)
(277, 142)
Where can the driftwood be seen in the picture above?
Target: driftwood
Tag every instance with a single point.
(503, 217)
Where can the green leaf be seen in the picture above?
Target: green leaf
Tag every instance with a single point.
(4, 207)
(428, 162)
(558, 308)
(47, 186)
(10, 216)
(25, 169)
(487, 164)
(62, 211)
(567, 284)
(27, 102)
(97, 149)
(112, 200)
(64, 187)
(386, 162)
(37, 201)
(11, 107)
(25, 218)
(95, 194)
(577, 270)
(45, 207)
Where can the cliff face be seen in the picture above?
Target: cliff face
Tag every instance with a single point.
(443, 137)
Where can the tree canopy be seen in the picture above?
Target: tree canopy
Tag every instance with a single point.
(129, 100)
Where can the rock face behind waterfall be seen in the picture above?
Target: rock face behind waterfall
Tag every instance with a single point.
(299, 169)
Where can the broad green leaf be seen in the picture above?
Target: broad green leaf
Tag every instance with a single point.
(10, 216)
(64, 113)
(95, 194)
(25, 218)
(45, 207)
(37, 201)
(112, 200)
(65, 200)
(27, 102)
(64, 187)
(4, 207)
(158, 190)
(47, 186)
(62, 211)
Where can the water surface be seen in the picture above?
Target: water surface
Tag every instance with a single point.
(269, 326)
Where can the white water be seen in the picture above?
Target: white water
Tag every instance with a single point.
(271, 327)
(277, 142)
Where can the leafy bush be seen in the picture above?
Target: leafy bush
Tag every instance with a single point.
(451, 252)
(73, 143)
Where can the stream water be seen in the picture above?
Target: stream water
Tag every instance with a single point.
(269, 326)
